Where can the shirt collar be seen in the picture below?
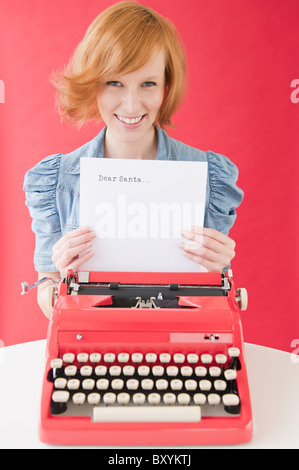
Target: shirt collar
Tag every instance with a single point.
(95, 149)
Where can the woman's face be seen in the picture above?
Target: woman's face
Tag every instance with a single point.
(129, 104)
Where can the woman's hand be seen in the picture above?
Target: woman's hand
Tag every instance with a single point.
(67, 250)
(212, 249)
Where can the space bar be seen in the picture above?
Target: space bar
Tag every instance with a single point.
(156, 414)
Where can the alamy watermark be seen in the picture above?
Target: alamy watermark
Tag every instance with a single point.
(2, 92)
(295, 94)
(295, 351)
(138, 220)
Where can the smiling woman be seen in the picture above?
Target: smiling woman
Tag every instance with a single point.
(120, 41)
(130, 72)
(130, 106)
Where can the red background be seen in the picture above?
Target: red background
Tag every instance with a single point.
(243, 56)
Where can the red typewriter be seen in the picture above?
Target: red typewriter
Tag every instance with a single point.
(146, 359)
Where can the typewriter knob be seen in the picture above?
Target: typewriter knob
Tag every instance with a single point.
(242, 298)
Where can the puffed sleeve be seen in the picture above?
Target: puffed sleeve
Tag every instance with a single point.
(224, 194)
(40, 188)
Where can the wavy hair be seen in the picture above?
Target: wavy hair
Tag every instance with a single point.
(120, 41)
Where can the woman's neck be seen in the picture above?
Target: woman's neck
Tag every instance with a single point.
(145, 149)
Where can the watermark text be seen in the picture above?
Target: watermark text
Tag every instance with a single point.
(295, 94)
(2, 92)
(295, 351)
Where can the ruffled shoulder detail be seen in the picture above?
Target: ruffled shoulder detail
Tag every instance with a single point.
(225, 196)
(40, 186)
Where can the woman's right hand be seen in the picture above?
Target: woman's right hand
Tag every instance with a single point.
(67, 250)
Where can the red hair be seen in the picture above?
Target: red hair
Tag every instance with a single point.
(119, 41)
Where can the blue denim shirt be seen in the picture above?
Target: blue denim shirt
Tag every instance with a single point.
(53, 189)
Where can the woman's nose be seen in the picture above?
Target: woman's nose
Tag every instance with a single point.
(131, 101)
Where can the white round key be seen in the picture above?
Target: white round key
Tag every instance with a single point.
(214, 371)
(115, 371)
(94, 398)
(191, 385)
(132, 384)
(186, 371)
(234, 352)
(95, 357)
(82, 357)
(184, 398)
(161, 384)
(201, 371)
(60, 396)
(220, 385)
(128, 370)
(179, 358)
(88, 384)
(73, 384)
(138, 398)
(137, 357)
(143, 370)
(109, 398)
(86, 371)
(206, 358)
(230, 374)
(123, 357)
(192, 358)
(60, 383)
(101, 370)
(151, 357)
(79, 398)
(154, 398)
(56, 363)
(123, 398)
(220, 358)
(169, 398)
(199, 399)
(158, 371)
(117, 384)
(102, 384)
(70, 371)
(109, 357)
(68, 358)
(205, 385)
(165, 358)
(214, 399)
(230, 399)
(172, 371)
(147, 384)
(176, 384)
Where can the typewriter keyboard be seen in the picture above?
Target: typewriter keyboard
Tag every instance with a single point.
(145, 386)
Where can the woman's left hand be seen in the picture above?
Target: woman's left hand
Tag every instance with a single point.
(212, 249)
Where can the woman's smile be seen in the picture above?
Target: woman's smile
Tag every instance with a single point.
(130, 122)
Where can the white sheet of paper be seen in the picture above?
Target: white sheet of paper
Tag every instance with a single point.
(138, 209)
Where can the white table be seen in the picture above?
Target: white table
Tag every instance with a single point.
(273, 378)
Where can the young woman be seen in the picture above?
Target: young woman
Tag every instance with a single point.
(130, 72)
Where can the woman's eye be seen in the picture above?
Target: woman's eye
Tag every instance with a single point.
(149, 84)
(113, 83)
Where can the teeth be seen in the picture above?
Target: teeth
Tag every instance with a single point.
(129, 121)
